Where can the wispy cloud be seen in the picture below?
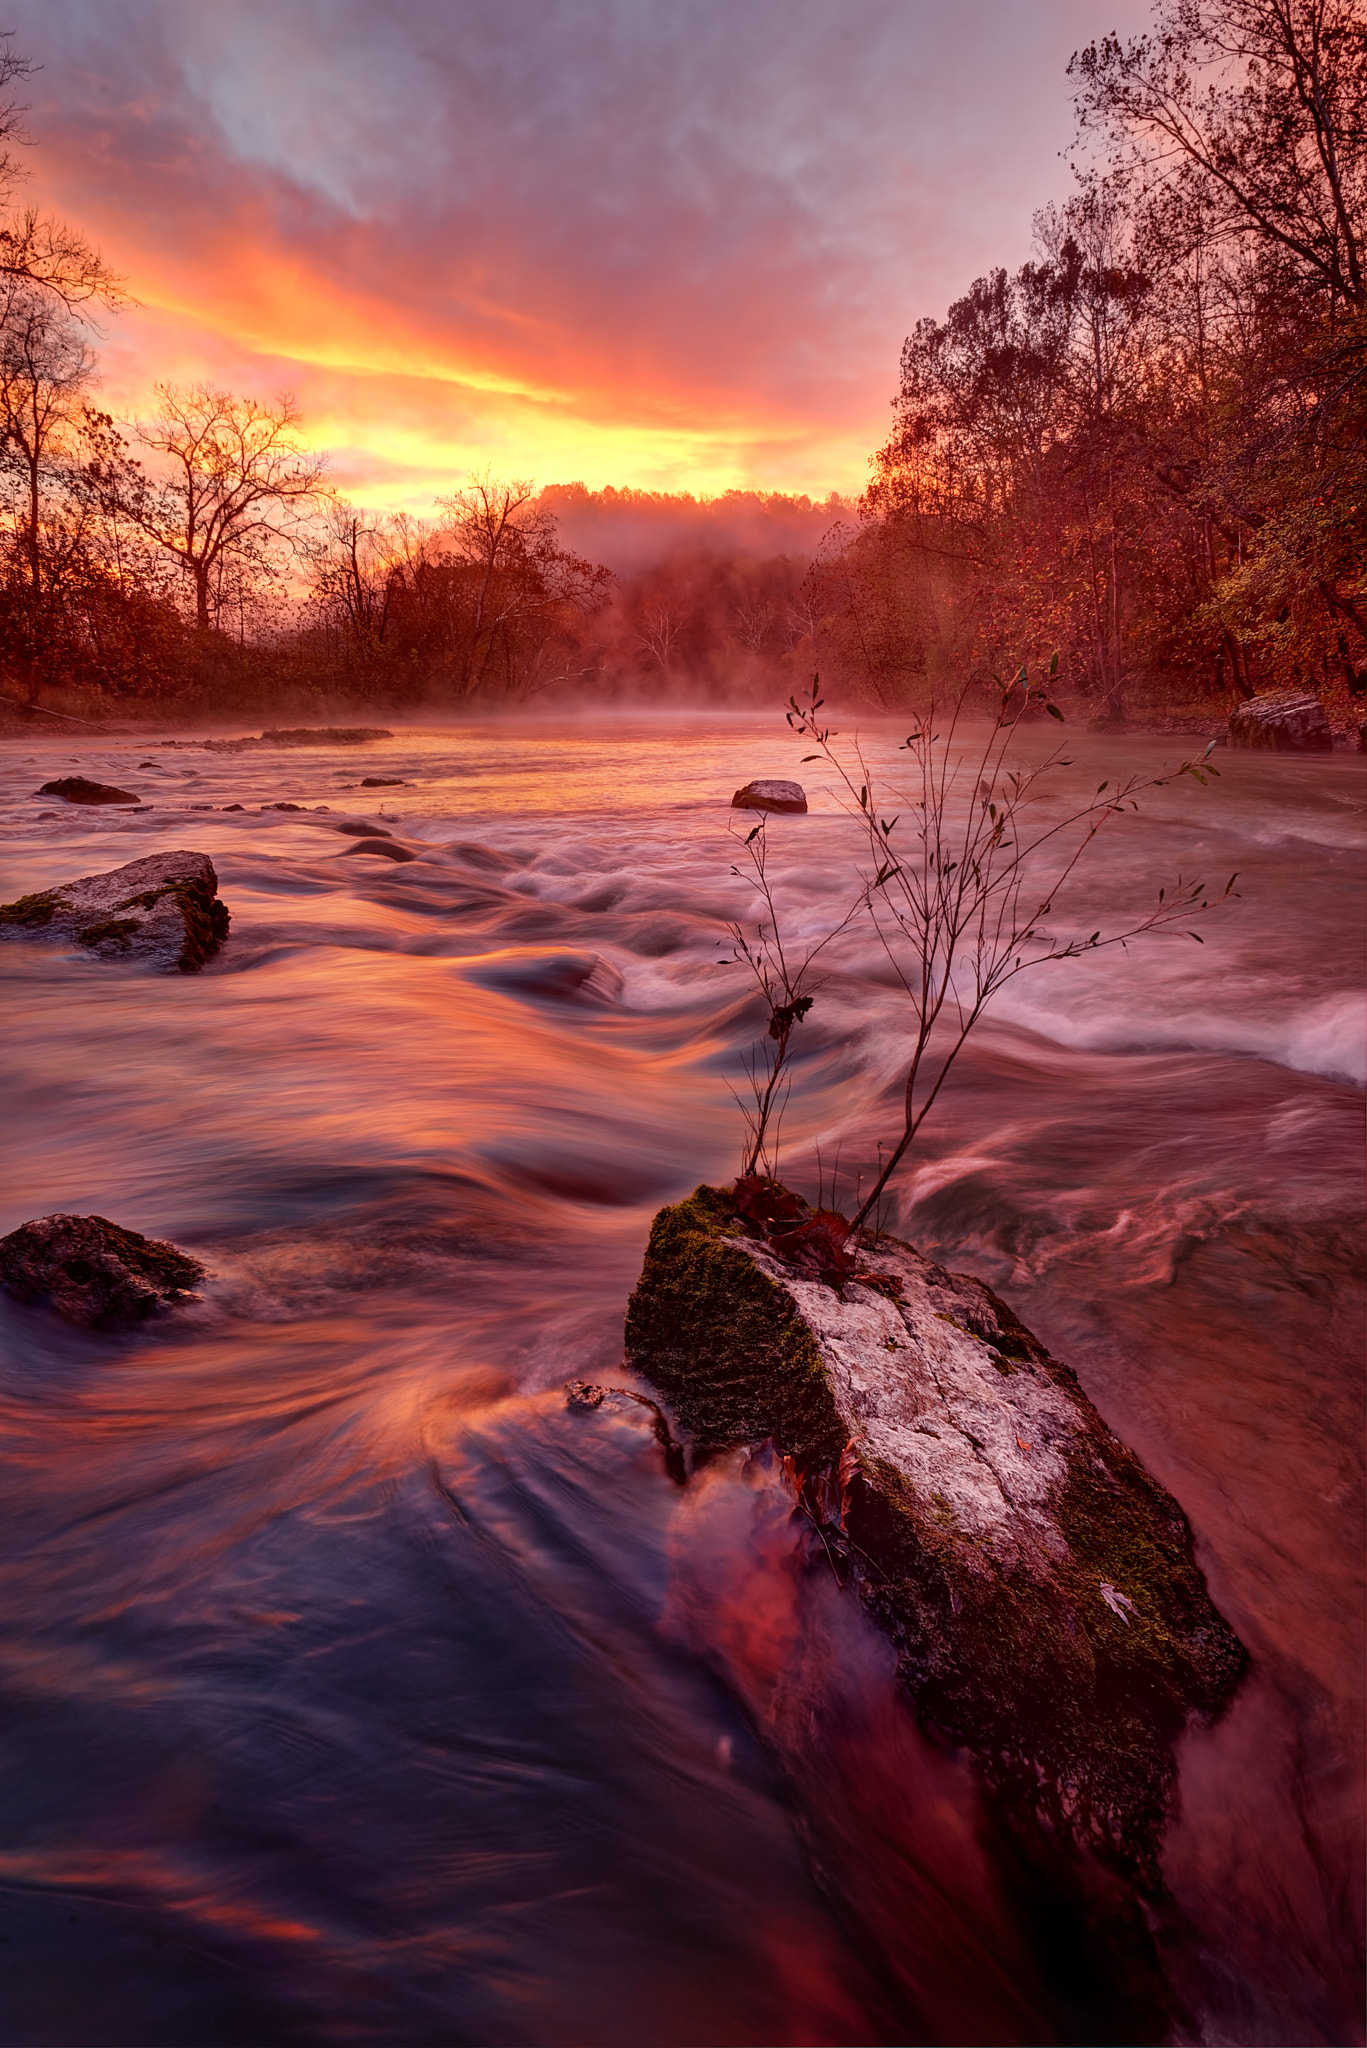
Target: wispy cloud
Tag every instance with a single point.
(662, 242)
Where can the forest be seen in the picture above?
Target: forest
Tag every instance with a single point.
(1144, 452)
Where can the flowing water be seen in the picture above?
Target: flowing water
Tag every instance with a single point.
(352, 1688)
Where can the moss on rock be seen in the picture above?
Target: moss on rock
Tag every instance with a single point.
(181, 921)
(1039, 1585)
(115, 931)
(31, 913)
(725, 1342)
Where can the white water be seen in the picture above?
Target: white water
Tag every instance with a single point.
(357, 1691)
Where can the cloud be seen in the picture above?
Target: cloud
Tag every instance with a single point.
(656, 242)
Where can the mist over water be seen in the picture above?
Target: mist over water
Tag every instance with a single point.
(354, 1688)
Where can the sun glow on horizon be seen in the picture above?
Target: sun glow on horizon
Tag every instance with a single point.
(574, 257)
(402, 427)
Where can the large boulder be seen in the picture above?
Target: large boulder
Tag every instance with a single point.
(1039, 1585)
(95, 1272)
(79, 789)
(163, 910)
(1285, 721)
(770, 796)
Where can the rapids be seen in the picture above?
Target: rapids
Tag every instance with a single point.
(353, 1688)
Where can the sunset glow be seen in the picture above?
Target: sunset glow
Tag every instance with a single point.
(675, 254)
(682, 1248)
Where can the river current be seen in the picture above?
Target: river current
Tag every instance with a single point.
(355, 1689)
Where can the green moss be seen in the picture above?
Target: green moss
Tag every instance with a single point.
(723, 1341)
(1071, 1709)
(120, 929)
(31, 913)
(1007, 1371)
(206, 919)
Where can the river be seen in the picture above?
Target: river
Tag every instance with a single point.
(353, 1687)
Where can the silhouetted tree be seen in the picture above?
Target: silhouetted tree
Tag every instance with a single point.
(232, 477)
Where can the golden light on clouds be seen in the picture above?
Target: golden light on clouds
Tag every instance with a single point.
(675, 249)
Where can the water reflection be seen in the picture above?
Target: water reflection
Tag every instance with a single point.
(355, 1689)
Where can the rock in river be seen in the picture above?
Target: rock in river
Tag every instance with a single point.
(1038, 1584)
(770, 796)
(78, 789)
(382, 843)
(95, 1272)
(1286, 721)
(163, 909)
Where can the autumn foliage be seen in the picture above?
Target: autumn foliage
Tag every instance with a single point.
(1142, 450)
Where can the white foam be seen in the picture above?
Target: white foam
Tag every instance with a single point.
(1327, 1037)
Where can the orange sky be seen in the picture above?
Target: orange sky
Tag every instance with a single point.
(668, 243)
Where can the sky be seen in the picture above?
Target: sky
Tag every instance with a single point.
(672, 244)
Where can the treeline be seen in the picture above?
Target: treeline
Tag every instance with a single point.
(484, 604)
(198, 558)
(1146, 449)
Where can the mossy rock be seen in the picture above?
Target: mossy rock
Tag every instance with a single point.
(1039, 1585)
(179, 924)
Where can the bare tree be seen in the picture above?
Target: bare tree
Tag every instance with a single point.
(1253, 113)
(37, 251)
(754, 619)
(490, 524)
(661, 626)
(45, 374)
(231, 474)
(515, 582)
(958, 901)
(784, 978)
(355, 561)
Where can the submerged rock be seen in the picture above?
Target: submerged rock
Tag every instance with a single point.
(163, 910)
(292, 736)
(770, 796)
(1286, 721)
(325, 735)
(1039, 1585)
(586, 1396)
(78, 789)
(95, 1272)
(382, 843)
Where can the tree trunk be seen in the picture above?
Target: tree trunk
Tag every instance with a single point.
(35, 562)
(1238, 666)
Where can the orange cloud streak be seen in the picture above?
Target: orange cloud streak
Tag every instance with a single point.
(679, 253)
